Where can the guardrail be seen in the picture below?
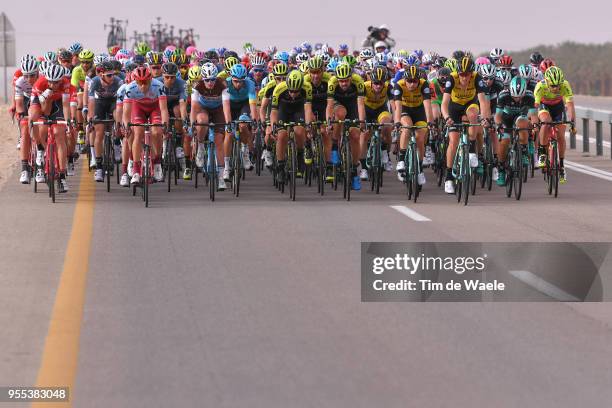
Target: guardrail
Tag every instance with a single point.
(600, 117)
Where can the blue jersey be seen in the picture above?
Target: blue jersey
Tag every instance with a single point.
(100, 90)
(176, 92)
(246, 92)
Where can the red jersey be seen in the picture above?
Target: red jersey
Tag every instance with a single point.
(16, 76)
(63, 92)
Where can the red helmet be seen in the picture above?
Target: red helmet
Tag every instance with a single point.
(547, 63)
(113, 50)
(142, 74)
(506, 61)
(246, 61)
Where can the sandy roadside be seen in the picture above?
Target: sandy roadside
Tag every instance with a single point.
(9, 157)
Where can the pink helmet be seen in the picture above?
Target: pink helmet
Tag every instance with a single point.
(190, 50)
(170, 47)
(482, 61)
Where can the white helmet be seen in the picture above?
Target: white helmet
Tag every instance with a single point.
(496, 53)
(301, 57)
(29, 66)
(366, 54)
(209, 71)
(426, 59)
(380, 44)
(27, 57)
(54, 73)
(258, 61)
(383, 27)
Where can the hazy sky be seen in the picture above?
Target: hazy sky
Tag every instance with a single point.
(442, 25)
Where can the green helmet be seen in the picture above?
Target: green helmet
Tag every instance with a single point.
(554, 76)
(280, 69)
(142, 48)
(295, 80)
(315, 62)
(518, 87)
(349, 59)
(86, 55)
(343, 71)
(451, 64)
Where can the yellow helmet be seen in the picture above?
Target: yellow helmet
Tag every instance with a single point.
(86, 55)
(230, 62)
(343, 71)
(304, 67)
(280, 69)
(194, 73)
(295, 80)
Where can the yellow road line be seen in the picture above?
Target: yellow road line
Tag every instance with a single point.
(60, 355)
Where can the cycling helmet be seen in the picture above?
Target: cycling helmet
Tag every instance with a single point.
(194, 73)
(64, 55)
(294, 80)
(107, 66)
(75, 48)
(142, 48)
(167, 54)
(332, 65)
(380, 44)
(211, 55)
(343, 47)
(190, 50)
(325, 56)
(554, 76)
(466, 65)
(379, 74)
(230, 53)
(381, 58)
(370, 65)
(86, 55)
(426, 60)
(366, 54)
(139, 59)
(525, 71)
(496, 54)
(536, 58)
(258, 62)
(443, 74)
(271, 49)
(301, 57)
(487, 71)
(27, 57)
(130, 66)
(142, 74)
(154, 58)
(238, 71)
(518, 87)
(451, 64)
(29, 66)
(306, 47)
(411, 72)
(546, 64)
(458, 55)
(116, 64)
(50, 56)
(343, 71)
(315, 62)
(304, 67)
(208, 71)
(350, 60)
(178, 59)
(66, 72)
(54, 73)
(412, 59)
(114, 49)
(280, 69)
(230, 62)
(122, 54)
(505, 61)
(504, 76)
(482, 61)
(99, 59)
(44, 66)
(169, 68)
(283, 56)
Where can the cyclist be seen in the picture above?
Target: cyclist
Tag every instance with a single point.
(207, 107)
(464, 97)
(145, 99)
(279, 74)
(102, 101)
(50, 98)
(155, 61)
(240, 101)
(514, 107)
(378, 93)
(493, 88)
(291, 102)
(23, 94)
(176, 101)
(318, 80)
(555, 100)
(345, 100)
(79, 75)
(412, 100)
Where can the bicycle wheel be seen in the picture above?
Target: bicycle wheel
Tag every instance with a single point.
(474, 181)
(510, 172)
(415, 174)
(258, 152)
(348, 169)
(237, 168)
(51, 176)
(377, 168)
(292, 168)
(519, 173)
(466, 174)
(555, 173)
(106, 160)
(147, 176)
(322, 166)
(212, 173)
(408, 172)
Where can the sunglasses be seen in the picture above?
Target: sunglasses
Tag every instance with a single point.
(554, 86)
(209, 80)
(258, 70)
(27, 76)
(489, 79)
(238, 80)
(155, 66)
(377, 83)
(344, 81)
(109, 75)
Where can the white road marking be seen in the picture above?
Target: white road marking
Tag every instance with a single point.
(591, 171)
(543, 286)
(409, 213)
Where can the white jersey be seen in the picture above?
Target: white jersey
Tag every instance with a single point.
(23, 89)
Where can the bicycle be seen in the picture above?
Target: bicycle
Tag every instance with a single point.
(488, 161)
(291, 169)
(259, 147)
(461, 170)
(318, 156)
(170, 163)
(551, 169)
(411, 177)
(515, 169)
(440, 138)
(146, 160)
(210, 159)
(108, 153)
(237, 167)
(374, 156)
(51, 157)
(346, 158)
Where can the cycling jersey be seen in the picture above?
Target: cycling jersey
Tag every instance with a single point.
(375, 100)
(246, 92)
(492, 92)
(208, 98)
(467, 95)
(506, 105)
(544, 96)
(349, 96)
(175, 92)
(282, 99)
(23, 88)
(121, 93)
(78, 77)
(414, 98)
(100, 90)
(62, 93)
(134, 95)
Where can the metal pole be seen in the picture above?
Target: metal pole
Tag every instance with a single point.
(585, 135)
(598, 138)
(5, 57)
(572, 140)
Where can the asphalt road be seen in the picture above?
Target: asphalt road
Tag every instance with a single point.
(255, 301)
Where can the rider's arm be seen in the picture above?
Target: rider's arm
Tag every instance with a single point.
(445, 101)
(227, 110)
(427, 102)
